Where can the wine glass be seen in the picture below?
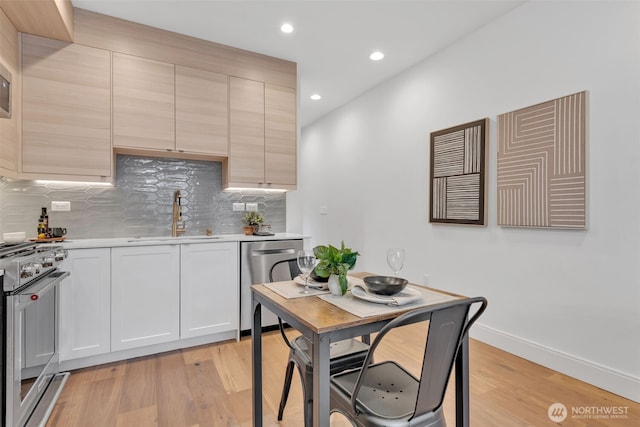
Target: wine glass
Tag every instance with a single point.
(395, 259)
(306, 262)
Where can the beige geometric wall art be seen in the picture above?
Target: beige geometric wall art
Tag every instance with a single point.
(458, 184)
(541, 164)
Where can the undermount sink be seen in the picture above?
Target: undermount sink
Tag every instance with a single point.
(170, 239)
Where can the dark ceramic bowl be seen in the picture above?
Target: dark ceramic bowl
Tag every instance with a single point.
(385, 285)
(313, 276)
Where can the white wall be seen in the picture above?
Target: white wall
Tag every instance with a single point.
(566, 299)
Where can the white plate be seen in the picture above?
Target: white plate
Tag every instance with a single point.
(312, 284)
(408, 295)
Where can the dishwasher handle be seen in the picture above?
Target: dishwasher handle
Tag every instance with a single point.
(262, 252)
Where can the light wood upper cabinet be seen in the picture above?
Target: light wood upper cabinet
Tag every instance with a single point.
(143, 103)
(126, 88)
(280, 135)
(246, 132)
(201, 111)
(262, 135)
(9, 127)
(46, 18)
(161, 107)
(66, 112)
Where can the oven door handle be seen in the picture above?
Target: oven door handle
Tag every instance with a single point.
(32, 293)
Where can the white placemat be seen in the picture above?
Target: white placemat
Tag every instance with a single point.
(362, 308)
(290, 289)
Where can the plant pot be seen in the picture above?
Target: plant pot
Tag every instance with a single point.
(334, 285)
(248, 230)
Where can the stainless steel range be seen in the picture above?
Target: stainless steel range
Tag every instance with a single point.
(31, 381)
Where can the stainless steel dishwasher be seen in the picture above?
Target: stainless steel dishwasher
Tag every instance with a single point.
(256, 259)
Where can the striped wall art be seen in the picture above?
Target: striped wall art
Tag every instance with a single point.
(458, 184)
(541, 165)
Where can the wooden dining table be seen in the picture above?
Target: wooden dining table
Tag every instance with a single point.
(322, 323)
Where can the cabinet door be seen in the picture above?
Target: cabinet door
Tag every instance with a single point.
(201, 111)
(280, 135)
(246, 132)
(9, 127)
(145, 295)
(209, 289)
(66, 122)
(143, 103)
(85, 304)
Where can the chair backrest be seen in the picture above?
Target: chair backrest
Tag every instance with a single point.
(285, 269)
(448, 324)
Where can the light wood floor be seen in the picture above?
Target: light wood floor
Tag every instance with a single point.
(210, 386)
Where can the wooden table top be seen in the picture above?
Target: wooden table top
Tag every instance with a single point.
(321, 316)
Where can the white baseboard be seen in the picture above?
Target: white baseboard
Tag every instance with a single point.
(622, 384)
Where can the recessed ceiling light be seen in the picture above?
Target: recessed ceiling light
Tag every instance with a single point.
(286, 28)
(376, 56)
(316, 97)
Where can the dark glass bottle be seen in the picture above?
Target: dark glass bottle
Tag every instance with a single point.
(41, 229)
(45, 222)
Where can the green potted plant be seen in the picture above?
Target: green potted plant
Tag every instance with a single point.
(334, 264)
(253, 219)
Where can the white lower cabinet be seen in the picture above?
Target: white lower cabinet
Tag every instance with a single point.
(145, 296)
(208, 288)
(85, 304)
(129, 301)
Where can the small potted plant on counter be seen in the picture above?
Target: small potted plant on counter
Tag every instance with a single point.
(253, 219)
(334, 264)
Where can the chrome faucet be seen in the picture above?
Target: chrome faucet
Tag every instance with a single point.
(178, 226)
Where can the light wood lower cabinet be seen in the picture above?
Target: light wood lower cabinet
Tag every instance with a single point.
(209, 302)
(262, 135)
(66, 111)
(145, 296)
(85, 304)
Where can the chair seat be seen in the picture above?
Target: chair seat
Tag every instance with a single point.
(388, 390)
(386, 394)
(346, 354)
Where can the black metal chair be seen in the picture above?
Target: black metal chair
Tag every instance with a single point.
(345, 354)
(386, 394)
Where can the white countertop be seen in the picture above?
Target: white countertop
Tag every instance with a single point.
(168, 240)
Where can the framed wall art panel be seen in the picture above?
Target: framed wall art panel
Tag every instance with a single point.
(542, 164)
(458, 159)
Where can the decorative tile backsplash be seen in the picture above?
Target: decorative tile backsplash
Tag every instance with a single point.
(141, 202)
